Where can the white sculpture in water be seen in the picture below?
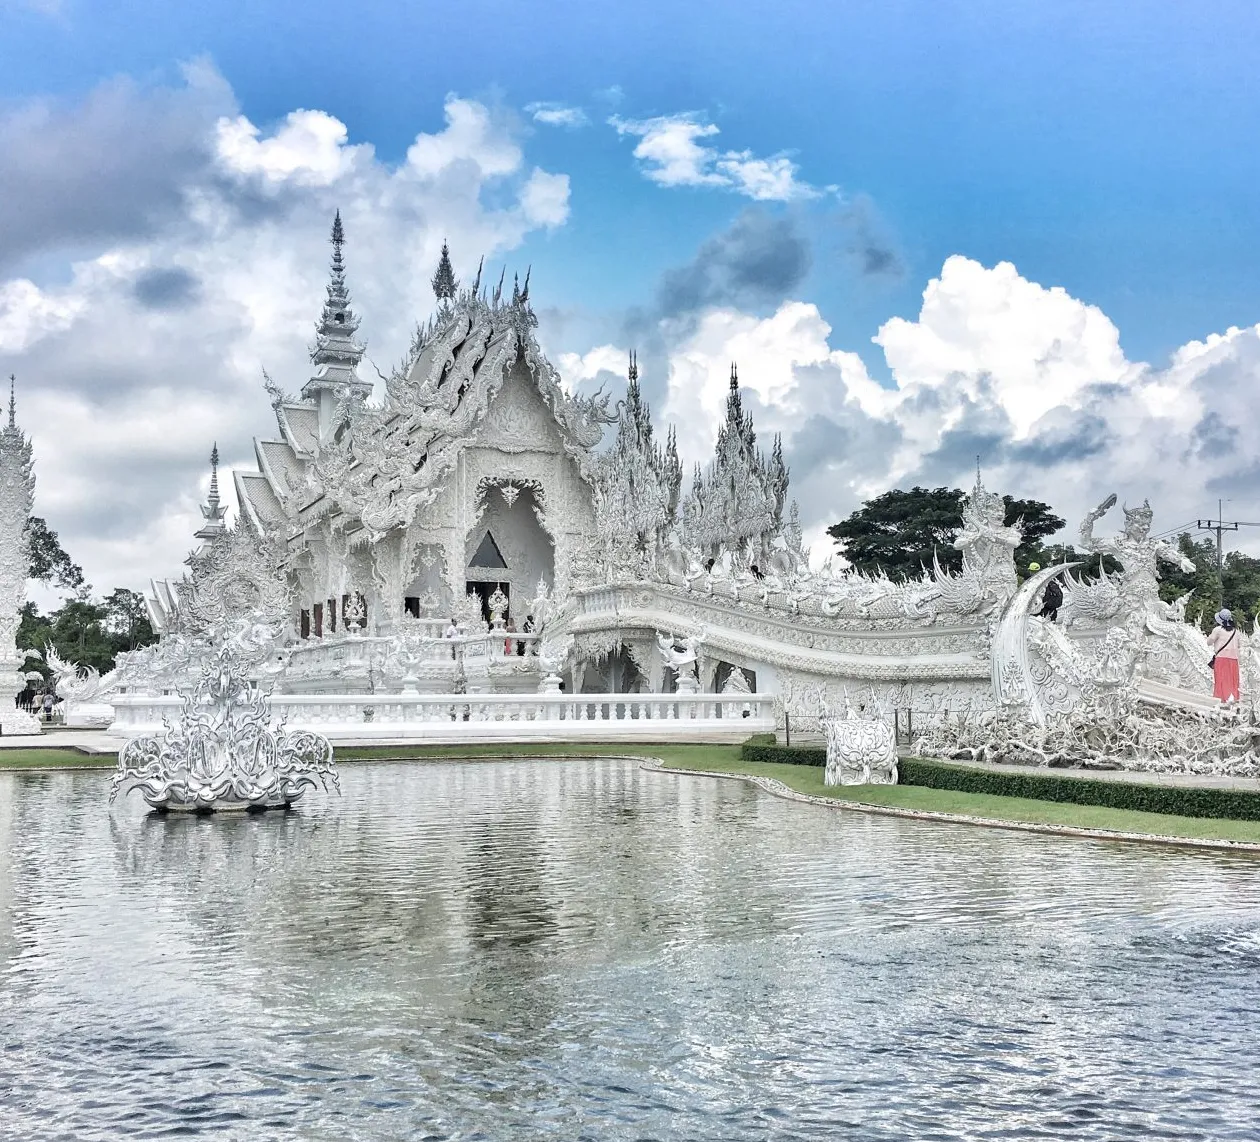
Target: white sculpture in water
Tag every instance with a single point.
(222, 753)
(17, 494)
(860, 751)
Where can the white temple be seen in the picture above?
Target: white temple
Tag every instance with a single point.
(481, 546)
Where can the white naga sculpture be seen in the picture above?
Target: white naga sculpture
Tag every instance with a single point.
(84, 691)
(860, 751)
(17, 494)
(681, 656)
(223, 753)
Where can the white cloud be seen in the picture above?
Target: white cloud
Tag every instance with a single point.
(28, 313)
(309, 149)
(471, 136)
(576, 368)
(1037, 347)
(557, 115)
(1030, 377)
(132, 363)
(674, 153)
(545, 198)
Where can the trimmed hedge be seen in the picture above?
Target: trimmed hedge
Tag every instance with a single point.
(1177, 800)
(755, 750)
(1039, 785)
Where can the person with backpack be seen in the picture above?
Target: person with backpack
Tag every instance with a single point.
(1224, 643)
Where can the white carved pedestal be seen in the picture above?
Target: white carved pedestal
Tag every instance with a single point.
(860, 751)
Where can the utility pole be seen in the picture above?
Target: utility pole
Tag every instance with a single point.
(1219, 526)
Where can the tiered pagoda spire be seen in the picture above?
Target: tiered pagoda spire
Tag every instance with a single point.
(739, 496)
(17, 498)
(336, 354)
(213, 511)
(445, 284)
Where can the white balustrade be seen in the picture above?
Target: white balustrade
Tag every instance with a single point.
(489, 717)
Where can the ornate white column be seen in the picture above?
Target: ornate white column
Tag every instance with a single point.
(17, 495)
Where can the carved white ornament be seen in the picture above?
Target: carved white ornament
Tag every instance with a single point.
(17, 494)
(223, 753)
(860, 751)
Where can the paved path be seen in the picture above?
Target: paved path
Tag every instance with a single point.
(1129, 776)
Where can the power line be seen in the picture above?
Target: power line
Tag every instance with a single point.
(1219, 526)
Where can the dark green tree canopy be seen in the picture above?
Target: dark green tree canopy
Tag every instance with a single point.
(82, 630)
(1238, 587)
(898, 532)
(49, 561)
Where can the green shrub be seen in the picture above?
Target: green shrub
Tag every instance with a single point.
(1039, 785)
(1178, 800)
(755, 750)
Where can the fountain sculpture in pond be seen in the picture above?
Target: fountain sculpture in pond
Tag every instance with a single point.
(223, 753)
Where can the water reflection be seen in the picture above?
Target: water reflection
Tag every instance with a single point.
(583, 950)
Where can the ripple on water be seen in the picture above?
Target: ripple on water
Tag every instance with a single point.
(566, 950)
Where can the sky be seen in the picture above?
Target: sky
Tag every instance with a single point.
(925, 231)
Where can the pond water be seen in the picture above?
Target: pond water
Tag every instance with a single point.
(583, 950)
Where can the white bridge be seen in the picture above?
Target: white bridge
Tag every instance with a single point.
(443, 718)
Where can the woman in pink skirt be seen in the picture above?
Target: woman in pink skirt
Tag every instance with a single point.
(1224, 643)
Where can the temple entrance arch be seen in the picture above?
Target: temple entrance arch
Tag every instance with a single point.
(509, 546)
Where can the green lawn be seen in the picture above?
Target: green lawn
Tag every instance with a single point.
(53, 759)
(720, 759)
(1022, 810)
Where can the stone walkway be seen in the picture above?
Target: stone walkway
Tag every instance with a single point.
(1128, 776)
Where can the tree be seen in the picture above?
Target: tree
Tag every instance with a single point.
(1037, 522)
(898, 532)
(127, 620)
(1240, 578)
(1242, 585)
(49, 560)
(79, 634)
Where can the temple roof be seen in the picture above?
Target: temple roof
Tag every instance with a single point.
(259, 503)
(381, 463)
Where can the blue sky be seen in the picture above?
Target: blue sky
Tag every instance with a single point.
(1105, 147)
(1106, 150)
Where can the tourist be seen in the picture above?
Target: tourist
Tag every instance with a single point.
(511, 629)
(48, 706)
(528, 628)
(1051, 598)
(451, 632)
(1224, 644)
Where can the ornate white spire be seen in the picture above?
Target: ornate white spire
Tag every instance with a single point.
(213, 511)
(17, 498)
(445, 284)
(336, 354)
